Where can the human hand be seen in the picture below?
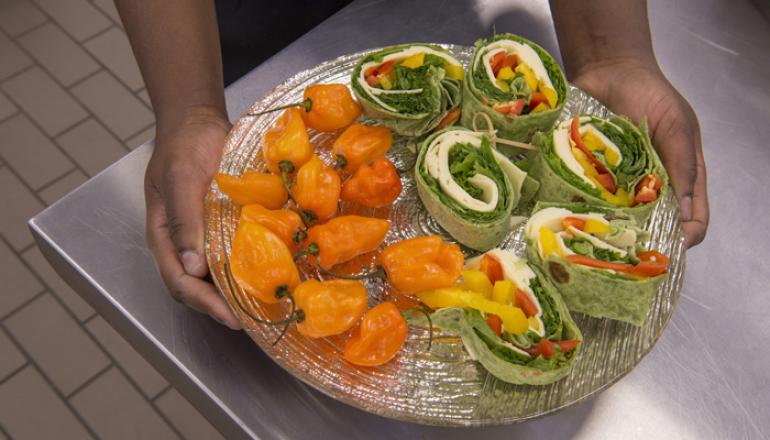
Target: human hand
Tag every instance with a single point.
(186, 156)
(640, 90)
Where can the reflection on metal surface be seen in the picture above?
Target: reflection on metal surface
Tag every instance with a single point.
(443, 386)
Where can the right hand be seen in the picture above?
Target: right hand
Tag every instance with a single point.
(185, 159)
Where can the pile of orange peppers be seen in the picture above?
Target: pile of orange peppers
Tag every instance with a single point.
(291, 212)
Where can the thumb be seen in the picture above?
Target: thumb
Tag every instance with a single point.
(185, 194)
(677, 151)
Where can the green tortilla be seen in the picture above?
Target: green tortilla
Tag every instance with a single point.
(495, 355)
(560, 184)
(597, 292)
(415, 113)
(479, 94)
(477, 230)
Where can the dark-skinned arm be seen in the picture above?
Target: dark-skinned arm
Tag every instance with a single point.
(176, 44)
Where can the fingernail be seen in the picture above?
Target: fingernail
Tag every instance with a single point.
(192, 263)
(685, 208)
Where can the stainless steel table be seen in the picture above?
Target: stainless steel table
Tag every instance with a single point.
(709, 375)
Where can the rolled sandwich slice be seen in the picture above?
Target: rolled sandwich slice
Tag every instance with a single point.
(510, 318)
(469, 187)
(410, 88)
(605, 162)
(517, 84)
(595, 257)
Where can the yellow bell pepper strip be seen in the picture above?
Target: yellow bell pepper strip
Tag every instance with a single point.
(262, 188)
(513, 318)
(414, 61)
(594, 226)
(262, 264)
(506, 73)
(286, 143)
(548, 243)
(317, 190)
(503, 291)
(529, 75)
(454, 71)
(284, 223)
(330, 307)
(476, 281)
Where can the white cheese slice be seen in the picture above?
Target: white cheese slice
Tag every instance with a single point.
(374, 91)
(524, 52)
(607, 142)
(437, 164)
(561, 138)
(551, 218)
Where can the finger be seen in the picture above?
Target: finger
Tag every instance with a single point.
(675, 143)
(695, 229)
(192, 291)
(183, 202)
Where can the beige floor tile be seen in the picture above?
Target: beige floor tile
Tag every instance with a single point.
(77, 305)
(108, 7)
(29, 409)
(111, 102)
(114, 51)
(19, 284)
(45, 101)
(115, 410)
(142, 373)
(141, 138)
(30, 153)
(79, 18)
(62, 187)
(92, 147)
(58, 53)
(2, 436)
(7, 108)
(20, 205)
(185, 418)
(17, 16)
(57, 344)
(11, 359)
(13, 58)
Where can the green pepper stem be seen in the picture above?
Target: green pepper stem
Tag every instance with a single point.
(430, 322)
(342, 162)
(379, 272)
(311, 249)
(306, 105)
(282, 291)
(286, 167)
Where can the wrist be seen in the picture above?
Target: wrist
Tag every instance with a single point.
(172, 120)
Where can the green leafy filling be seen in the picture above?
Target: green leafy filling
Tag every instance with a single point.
(582, 246)
(465, 161)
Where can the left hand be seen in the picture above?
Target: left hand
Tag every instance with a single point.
(639, 90)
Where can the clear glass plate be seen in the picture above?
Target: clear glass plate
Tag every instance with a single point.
(443, 386)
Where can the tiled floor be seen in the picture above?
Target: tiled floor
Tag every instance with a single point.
(72, 102)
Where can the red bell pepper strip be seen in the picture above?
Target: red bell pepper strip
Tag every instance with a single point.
(495, 323)
(525, 303)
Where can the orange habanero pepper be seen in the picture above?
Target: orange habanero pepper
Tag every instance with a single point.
(262, 264)
(360, 144)
(374, 185)
(284, 223)
(331, 107)
(422, 263)
(344, 238)
(317, 189)
(253, 187)
(380, 336)
(286, 144)
(329, 307)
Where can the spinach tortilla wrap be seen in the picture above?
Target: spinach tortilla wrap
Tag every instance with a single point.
(604, 162)
(542, 351)
(410, 88)
(594, 256)
(517, 84)
(469, 187)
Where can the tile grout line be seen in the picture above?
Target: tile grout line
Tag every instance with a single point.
(89, 381)
(50, 184)
(13, 373)
(50, 383)
(106, 14)
(29, 31)
(68, 91)
(23, 305)
(29, 187)
(19, 72)
(98, 34)
(160, 393)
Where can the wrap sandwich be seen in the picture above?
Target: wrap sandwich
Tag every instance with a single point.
(469, 187)
(517, 84)
(594, 256)
(510, 318)
(410, 88)
(604, 162)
